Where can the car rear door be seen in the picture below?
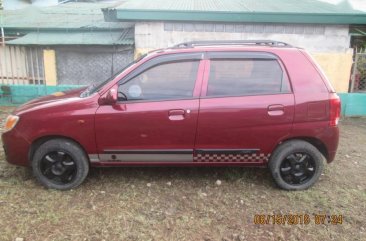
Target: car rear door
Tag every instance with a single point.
(155, 118)
(246, 108)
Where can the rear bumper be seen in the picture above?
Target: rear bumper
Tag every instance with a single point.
(331, 156)
(16, 148)
(331, 140)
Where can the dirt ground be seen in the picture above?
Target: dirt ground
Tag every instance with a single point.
(186, 203)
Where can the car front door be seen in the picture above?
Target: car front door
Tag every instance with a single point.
(246, 108)
(155, 117)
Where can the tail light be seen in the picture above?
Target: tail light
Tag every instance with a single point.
(335, 109)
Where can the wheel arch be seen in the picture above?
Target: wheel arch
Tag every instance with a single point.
(312, 140)
(39, 141)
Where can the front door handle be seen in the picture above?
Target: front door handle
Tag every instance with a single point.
(176, 114)
(275, 110)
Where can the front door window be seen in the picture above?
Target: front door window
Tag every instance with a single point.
(167, 81)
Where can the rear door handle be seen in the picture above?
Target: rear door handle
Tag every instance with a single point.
(275, 110)
(176, 114)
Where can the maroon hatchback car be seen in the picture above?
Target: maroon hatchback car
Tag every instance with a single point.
(221, 103)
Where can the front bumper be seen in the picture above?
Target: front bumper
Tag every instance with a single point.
(16, 148)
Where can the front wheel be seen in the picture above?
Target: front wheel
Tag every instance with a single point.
(296, 165)
(60, 164)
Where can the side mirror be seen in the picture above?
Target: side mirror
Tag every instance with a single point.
(109, 98)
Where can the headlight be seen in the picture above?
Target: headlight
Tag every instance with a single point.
(10, 122)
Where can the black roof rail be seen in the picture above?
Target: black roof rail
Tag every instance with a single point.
(232, 42)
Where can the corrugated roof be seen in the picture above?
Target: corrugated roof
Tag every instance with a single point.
(285, 11)
(120, 37)
(63, 16)
(286, 6)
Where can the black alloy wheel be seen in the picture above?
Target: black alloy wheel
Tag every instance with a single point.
(60, 164)
(59, 167)
(296, 165)
(297, 168)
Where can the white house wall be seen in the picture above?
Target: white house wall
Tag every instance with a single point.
(329, 44)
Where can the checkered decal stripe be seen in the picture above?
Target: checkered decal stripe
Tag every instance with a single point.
(255, 157)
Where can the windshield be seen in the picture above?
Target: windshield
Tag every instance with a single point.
(97, 86)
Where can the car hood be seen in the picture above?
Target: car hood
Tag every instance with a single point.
(49, 100)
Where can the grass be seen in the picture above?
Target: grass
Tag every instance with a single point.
(118, 203)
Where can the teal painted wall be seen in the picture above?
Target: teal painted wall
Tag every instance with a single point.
(353, 104)
(20, 94)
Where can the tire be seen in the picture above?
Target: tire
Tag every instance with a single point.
(287, 169)
(60, 164)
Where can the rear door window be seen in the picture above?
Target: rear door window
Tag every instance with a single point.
(237, 77)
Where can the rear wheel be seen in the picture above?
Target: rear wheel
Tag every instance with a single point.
(60, 164)
(296, 165)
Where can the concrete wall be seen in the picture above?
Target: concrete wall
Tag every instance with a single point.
(329, 44)
(318, 38)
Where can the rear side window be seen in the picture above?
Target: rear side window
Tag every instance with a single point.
(236, 77)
